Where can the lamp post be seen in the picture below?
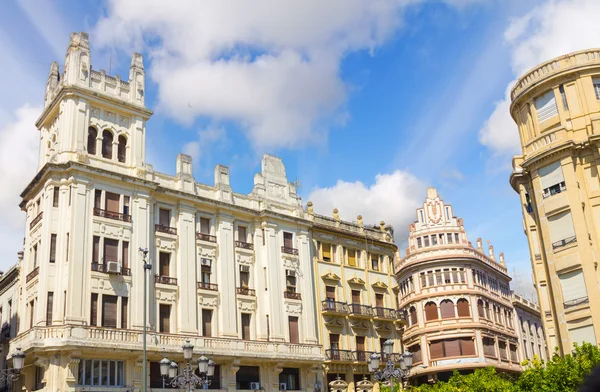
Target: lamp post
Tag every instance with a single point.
(147, 267)
(390, 372)
(13, 374)
(188, 378)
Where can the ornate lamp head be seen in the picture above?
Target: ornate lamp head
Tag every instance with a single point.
(165, 363)
(188, 351)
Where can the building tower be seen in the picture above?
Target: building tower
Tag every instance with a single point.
(556, 106)
(456, 299)
(223, 263)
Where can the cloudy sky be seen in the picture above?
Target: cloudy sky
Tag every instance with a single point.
(368, 102)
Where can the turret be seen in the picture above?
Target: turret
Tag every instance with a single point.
(137, 79)
(77, 60)
(52, 83)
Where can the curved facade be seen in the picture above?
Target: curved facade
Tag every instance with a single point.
(456, 299)
(556, 107)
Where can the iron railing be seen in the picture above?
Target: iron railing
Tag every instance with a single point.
(36, 220)
(335, 354)
(244, 245)
(206, 237)
(387, 313)
(361, 310)
(575, 302)
(208, 286)
(362, 356)
(246, 291)
(564, 242)
(102, 268)
(289, 251)
(291, 295)
(165, 229)
(334, 307)
(165, 280)
(112, 215)
(32, 274)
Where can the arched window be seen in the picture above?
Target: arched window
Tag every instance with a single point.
(480, 309)
(107, 142)
(91, 142)
(462, 307)
(413, 315)
(122, 149)
(431, 312)
(487, 311)
(447, 309)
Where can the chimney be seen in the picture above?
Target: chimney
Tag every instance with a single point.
(479, 242)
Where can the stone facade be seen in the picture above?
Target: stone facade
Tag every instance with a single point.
(221, 261)
(9, 298)
(455, 298)
(532, 340)
(556, 106)
(356, 296)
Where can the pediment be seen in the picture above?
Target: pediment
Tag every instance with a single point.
(334, 323)
(380, 285)
(359, 324)
(356, 280)
(330, 276)
(383, 327)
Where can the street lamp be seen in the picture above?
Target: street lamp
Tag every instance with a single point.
(390, 372)
(188, 378)
(147, 267)
(13, 374)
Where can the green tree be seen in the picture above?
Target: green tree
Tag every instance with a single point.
(481, 380)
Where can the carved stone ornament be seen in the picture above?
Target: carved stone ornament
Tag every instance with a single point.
(380, 285)
(334, 323)
(94, 112)
(330, 276)
(248, 306)
(338, 385)
(356, 280)
(434, 211)
(359, 324)
(293, 308)
(110, 117)
(364, 385)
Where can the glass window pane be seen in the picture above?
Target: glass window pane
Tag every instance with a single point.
(113, 374)
(120, 374)
(104, 373)
(95, 372)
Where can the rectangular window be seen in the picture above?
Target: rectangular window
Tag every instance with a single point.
(55, 196)
(112, 201)
(31, 313)
(356, 297)
(563, 96)
(125, 254)
(52, 248)
(109, 311)
(436, 349)
(582, 334)
(545, 106)
(288, 240)
(242, 235)
(596, 82)
(434, 239)
(164, 260)
(94, 310)
(244, 278)
(416, 352)
(111, 250)
(573, 288)
(562, 231)
(164, 322)
(246, 326)
(125, 205)
(164, 217)
(334, 341)
(204, 225)
(205, 274)
(351, 257)
(326, 249)
(35, 249)
(49, 306)
(502, 348)
(456, 238)
(94, 372)
(426, 241)
(293, 326)
(379, 300)
(375, 262)
(97, 199)
(124, 311)
(95, 249)
(290, 281)
(419, 245)
(552, 179)
(489, 348)
(330, 293)
(207, 322)
(290, 377)
(513, 353)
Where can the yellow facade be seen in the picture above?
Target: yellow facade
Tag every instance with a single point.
(556, 107)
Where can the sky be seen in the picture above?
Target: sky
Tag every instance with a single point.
(368, 103)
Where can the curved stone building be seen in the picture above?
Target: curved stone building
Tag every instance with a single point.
(556, 107)
(456, 299)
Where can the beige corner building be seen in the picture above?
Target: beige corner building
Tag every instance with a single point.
(455, 297)
(356, 296)
(556, 106)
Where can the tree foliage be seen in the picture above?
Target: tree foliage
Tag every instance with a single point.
(559, 374)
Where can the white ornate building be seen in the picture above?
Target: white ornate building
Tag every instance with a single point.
(232, 273)
(456, 299)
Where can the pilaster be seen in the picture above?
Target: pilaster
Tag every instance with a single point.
(186, 271)
(227, 276)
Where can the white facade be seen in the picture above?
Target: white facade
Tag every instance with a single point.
(532, 340)
(220, 259)
(9, 298)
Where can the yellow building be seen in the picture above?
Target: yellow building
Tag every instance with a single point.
(556, 106)
(356, 294)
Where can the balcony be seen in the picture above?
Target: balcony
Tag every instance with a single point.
(385, 313)
(246, 291)
(330, 306)
(208, 286)
(165, 229)
(554, 190)
(291, 295)
(575, 302)
(32, 274)
(102, 268)
(36, 220)
(335, 354)
(206, 237)
(362, 356)
(165, 280)
(290, 251)
(564, 242)
(244, 245)
(361, 310)
(112, 215)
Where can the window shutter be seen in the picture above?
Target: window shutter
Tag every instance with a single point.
(355, 296)
(91, 142)
(164, 217)
(165, 318)
(452, 348)
(96, 249)
(205, 225)
(413, 316)
(447, 309)
(125, 257)
(436, 349)
(352, 257)
(583, 334)
(112, 202)
(206, 322)
(431, 312)
(97, 198)
(49, 307)
(52, 248)
(245, 326)
(573, 286)
(124, 311)
(111, 250)
(551, 175)
(164, 261)
(360, 343)
(293, 324)
(462, 306)
(502, 347)
(545, 106)
(513, 353)
(561, 226)
(109, 311)
(287, 240)
(488, 347)
(467, 346)
(326, 252)
(330, 292)
(242, 236)
(379, 300)
(416, 352)
(94, 310)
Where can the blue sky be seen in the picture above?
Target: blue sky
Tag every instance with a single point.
(368, 103)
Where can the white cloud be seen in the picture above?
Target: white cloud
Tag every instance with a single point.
(393, 198)
(19, 142)
(272, 67)
(549, 30)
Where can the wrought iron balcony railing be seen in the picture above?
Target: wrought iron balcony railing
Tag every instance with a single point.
(334, 307)
(244, 245)
(206, 237)
(208, 286)
(387, 313)
(575, 302)
(32, 274)
(360, 310)
(246, 291)
(112, 215)
(289, 251)
(564, 242)
(291, 295)
(165, 280)
(335, 354)
(166, 229)
(102, 268)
